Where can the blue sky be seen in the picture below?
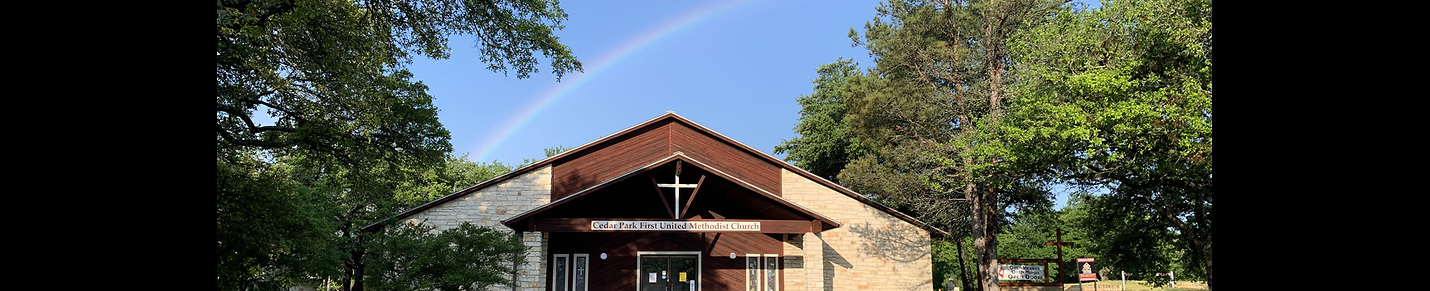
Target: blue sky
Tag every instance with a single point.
(735, 67)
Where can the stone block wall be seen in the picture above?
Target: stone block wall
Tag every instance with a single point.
(793, 262)
(871, 250)
(489, 206)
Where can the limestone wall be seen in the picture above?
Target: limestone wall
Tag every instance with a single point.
(872, 250)
(489, 206)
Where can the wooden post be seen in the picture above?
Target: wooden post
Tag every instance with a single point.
(1060, 256)
(1060, 243)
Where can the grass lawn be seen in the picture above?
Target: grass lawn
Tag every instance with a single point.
(1134, 285)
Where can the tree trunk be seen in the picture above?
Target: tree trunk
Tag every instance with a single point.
(985, 241)
(986, 210)
(1207, 259)
(358, 270)
(1204, 248)
(963, 267)
(348, 263)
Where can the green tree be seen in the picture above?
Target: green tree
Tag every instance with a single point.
(1126, 237)
(824, 145)
(328, 73)
(366, 196)
(271, 230)
(1121, 97)
(930, 107)
(415, 257)
(318, 121)
(951, 261)
(1035, 224)
(550, 152)
(455, 174)
(1031, 226)
(359, 197)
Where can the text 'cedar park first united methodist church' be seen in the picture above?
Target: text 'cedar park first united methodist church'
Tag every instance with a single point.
(675, 225)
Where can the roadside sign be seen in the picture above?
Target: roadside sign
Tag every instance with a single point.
(1086, 271)
(1020, 272)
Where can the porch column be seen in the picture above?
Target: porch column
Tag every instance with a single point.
(813, 262)
(532, 275)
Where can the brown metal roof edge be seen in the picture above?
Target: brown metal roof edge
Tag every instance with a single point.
(514, 173)
(677, 156)
(812, 176)
(767, 193)
(583, 192)
(452, 196)
(682, 119)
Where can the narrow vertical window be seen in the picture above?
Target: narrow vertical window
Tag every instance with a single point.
(772, 274)
(560, 266)
(580, 268)
(752, 270)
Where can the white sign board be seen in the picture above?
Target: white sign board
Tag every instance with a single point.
(1020, 272)
(675, 225)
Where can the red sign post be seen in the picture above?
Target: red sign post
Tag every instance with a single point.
(1085, 270)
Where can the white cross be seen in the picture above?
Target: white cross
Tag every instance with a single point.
(676, 187)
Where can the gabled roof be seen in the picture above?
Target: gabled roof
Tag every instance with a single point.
(664, 119)
(828, 222)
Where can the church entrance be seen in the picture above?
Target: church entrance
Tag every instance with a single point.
(670, 271)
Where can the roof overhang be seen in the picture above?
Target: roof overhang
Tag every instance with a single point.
(667, 116)
(521, 221)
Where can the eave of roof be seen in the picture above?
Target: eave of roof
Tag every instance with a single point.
(677, 156)
(676, 117)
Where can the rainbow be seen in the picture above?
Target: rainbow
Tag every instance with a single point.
(525, 114)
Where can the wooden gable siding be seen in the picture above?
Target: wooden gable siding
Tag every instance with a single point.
(640, 146)
(609, 159)
(723, 156)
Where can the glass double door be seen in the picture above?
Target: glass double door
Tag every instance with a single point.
(670, 273)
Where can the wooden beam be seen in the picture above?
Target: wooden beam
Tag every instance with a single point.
(663, 203)
(584, 225)
(692, 196)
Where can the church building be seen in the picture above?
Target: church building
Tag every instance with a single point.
(668, 204)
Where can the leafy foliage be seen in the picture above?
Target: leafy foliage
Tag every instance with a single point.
(974, 106)
(1032, 227)
(824, 145)
(948, 264)
(415, 257)
(928, 109)
(550, 152)
(1121, 97)
(271, 231)
(1128, 237)
(320, 130)
(328, 72)
(455, 174)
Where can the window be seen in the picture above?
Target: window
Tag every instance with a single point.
(752, 271)
(762, 271)
(580, 269)
(772, 274)
(560, 271)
